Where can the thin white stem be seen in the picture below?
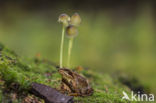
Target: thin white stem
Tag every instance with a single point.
(69, 51)
(61, 47)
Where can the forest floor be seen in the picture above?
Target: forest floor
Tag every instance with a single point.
(17, 73)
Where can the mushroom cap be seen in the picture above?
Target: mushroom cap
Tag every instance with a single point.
(75, 19)
(71, 31)
(64, 18)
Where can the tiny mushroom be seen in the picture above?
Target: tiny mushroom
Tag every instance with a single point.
(71, 31)
(64, 18)
(75, 19)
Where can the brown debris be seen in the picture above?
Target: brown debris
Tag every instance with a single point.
(31, 99)
(79, 68)
(50, 95)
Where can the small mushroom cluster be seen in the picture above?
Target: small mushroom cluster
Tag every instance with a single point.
(70, 25)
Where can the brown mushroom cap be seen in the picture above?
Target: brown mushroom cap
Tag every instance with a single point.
(75, 19)
(71, 31)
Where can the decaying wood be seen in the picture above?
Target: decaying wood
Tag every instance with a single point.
(50, 95)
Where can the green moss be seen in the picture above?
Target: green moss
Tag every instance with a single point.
(1, 94)
(23, 71)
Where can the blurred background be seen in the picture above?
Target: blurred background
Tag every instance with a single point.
(114, 34)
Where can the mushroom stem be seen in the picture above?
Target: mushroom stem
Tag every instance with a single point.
(69, 51)
(61, 47)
